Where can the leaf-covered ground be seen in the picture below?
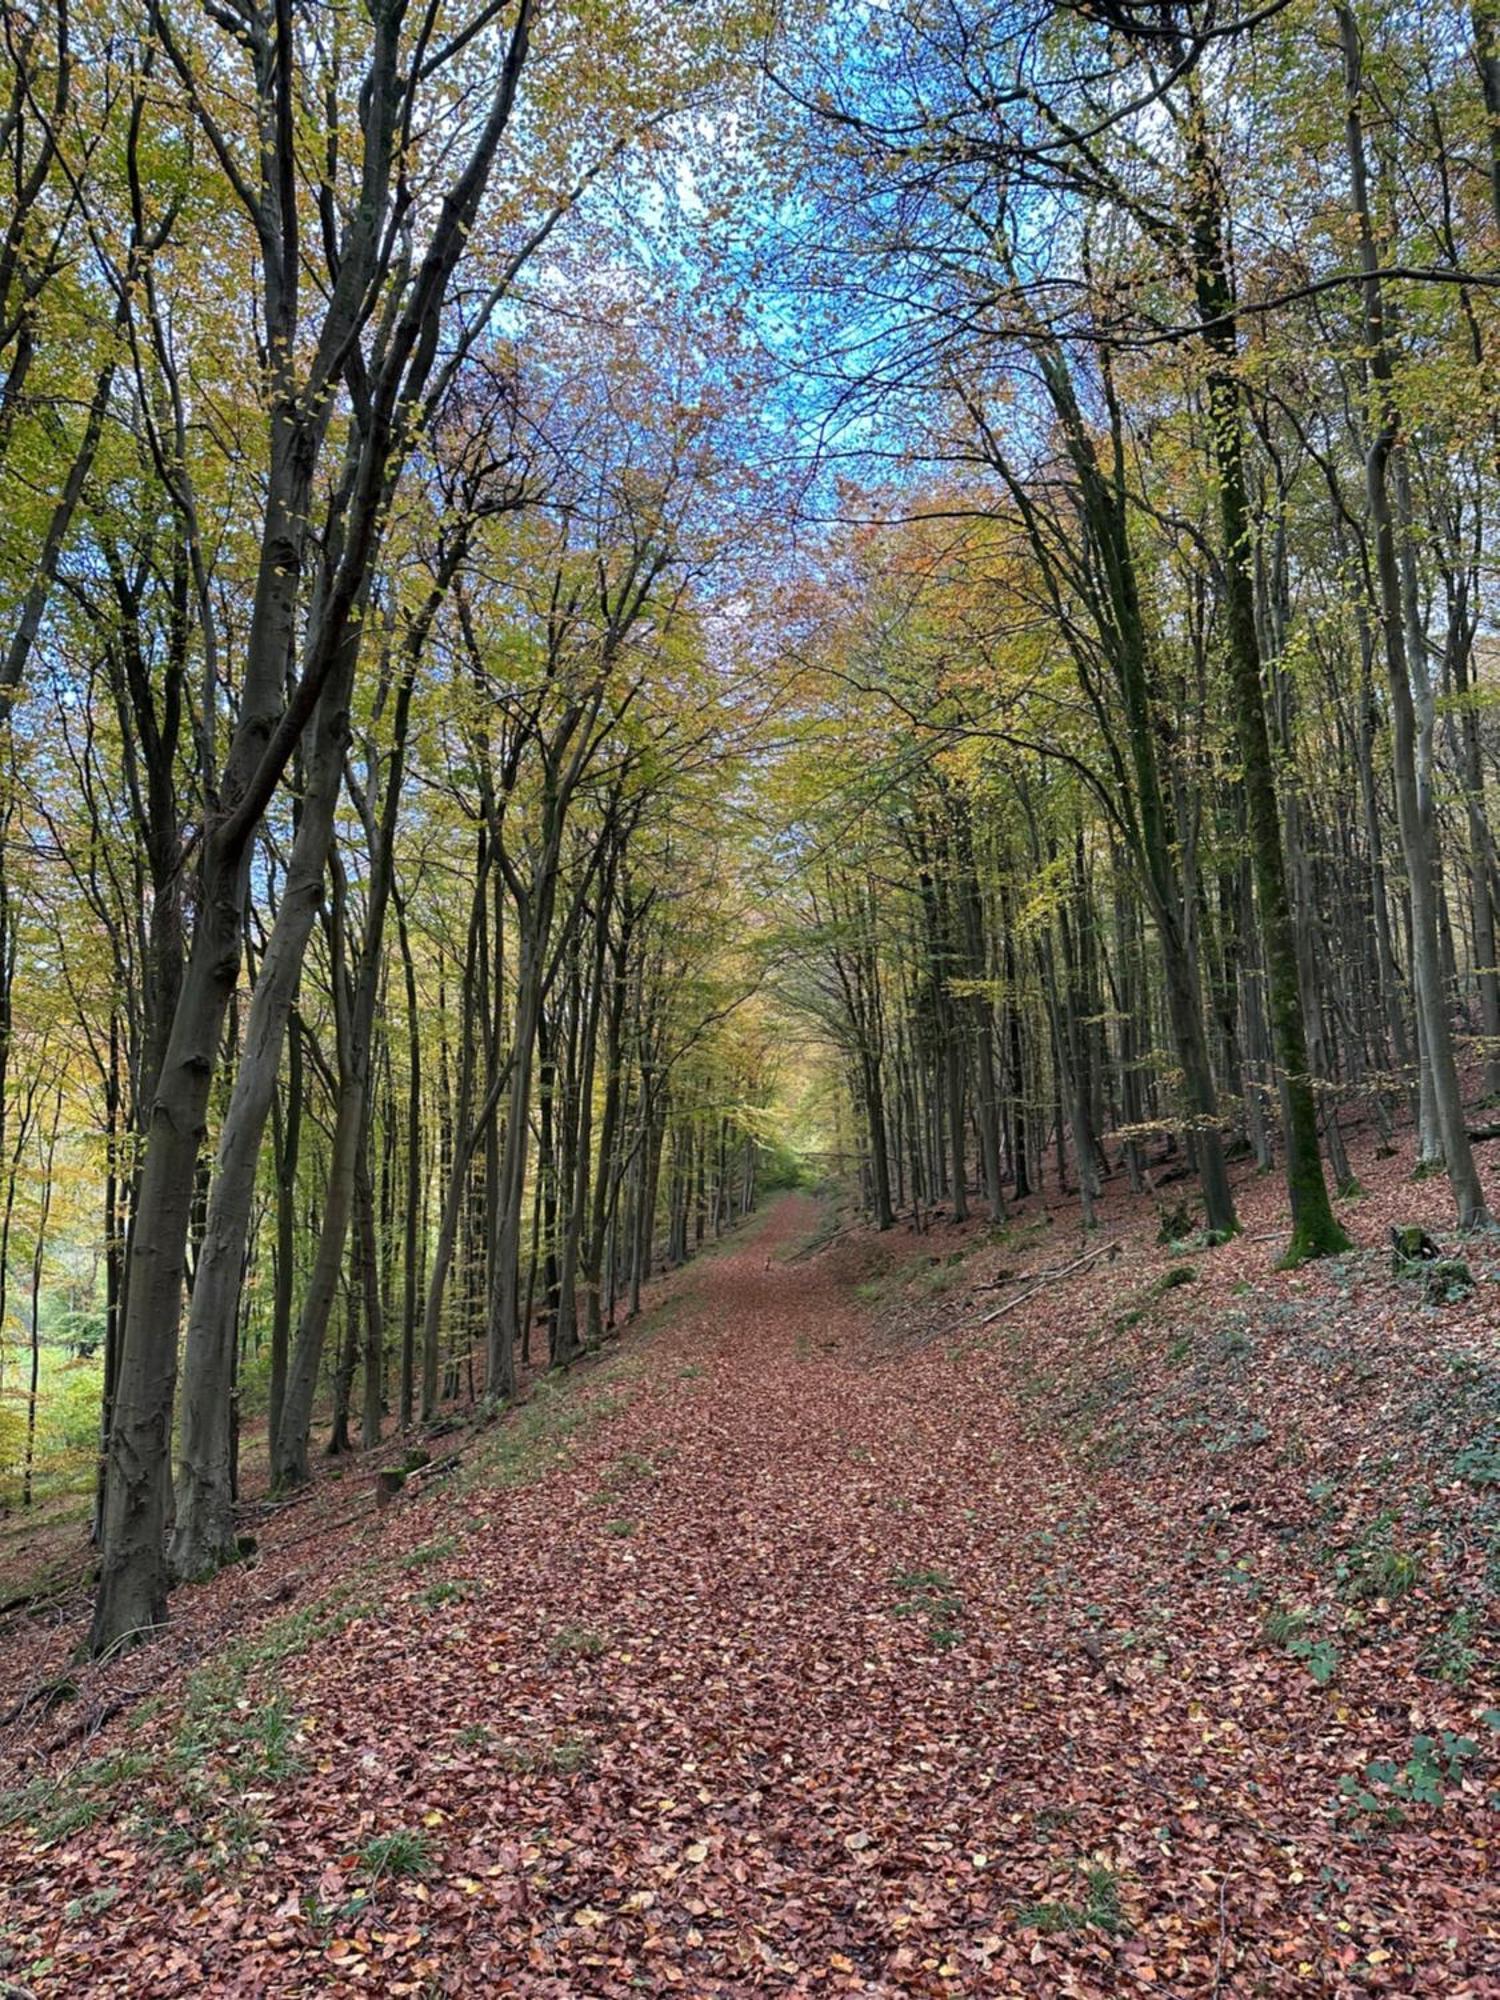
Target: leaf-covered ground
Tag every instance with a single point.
(851, 1630)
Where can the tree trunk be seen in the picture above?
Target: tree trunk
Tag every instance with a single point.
(204, 1535)
(1413, 807)
(412, 1229)
(1315, 1230)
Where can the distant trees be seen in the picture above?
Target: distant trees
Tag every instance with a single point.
(1092, 293)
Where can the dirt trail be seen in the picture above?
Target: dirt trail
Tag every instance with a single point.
(808, 1668)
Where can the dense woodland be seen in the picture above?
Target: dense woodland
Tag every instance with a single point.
(606, 605)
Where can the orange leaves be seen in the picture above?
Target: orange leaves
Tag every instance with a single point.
(772, 1778)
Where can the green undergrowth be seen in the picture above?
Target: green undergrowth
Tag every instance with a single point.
(238, 1730)
(929, 1594)
(915, 1278)
(1386, 1791)
(238, 1733)
(529, 1440)
(1095, 1907)
(833, 1217)
(44, 1551)
(908, 1274)
(564, 1408)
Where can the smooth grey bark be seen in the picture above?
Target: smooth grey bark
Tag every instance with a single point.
(853, 956)
(204, 1534)
(1482, 870)
(289, 1447)
(466, 1135)
(131, 1599)
(502, 1319)
(610, 1177)
(565, 755)
(1117, 611)
(287, 1112)
(981, 1010)
(374, 1306)
(565, 1330)
(411, 1277)
(1316, 1231)
(1391, 990)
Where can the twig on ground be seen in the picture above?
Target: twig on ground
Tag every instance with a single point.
(1042, 1280)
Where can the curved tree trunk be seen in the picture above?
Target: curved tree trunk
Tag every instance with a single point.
(204, 1535)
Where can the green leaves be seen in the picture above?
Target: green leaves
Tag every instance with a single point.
(1388, 1790)
(1319, 1656)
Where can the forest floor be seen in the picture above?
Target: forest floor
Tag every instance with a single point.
(840, 1632)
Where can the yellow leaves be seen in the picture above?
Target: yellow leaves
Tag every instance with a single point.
(1051, 885)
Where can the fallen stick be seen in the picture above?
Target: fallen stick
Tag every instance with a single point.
(32, 1603)
(821, 1243)
(1043, 1279)
(89, 1724)
(1005, 1278)
(1057, 1270)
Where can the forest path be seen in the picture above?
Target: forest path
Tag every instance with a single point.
(766, 1658)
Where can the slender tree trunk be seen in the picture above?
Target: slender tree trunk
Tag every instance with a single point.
(38, 1258)
(466, 1136)
(131, 1600)
(1413, 809)
(566, 1342)
(1315, 1229)
(374, 1308)
(412, 1226)
(1161, 871)
(204, 1534)
(607, 1180)
(288, 1149)
(1485, 15)
(502, 1319)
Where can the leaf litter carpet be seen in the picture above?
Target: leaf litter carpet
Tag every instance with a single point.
(816, 1656)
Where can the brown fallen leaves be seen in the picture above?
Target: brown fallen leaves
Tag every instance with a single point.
(817, 1664)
